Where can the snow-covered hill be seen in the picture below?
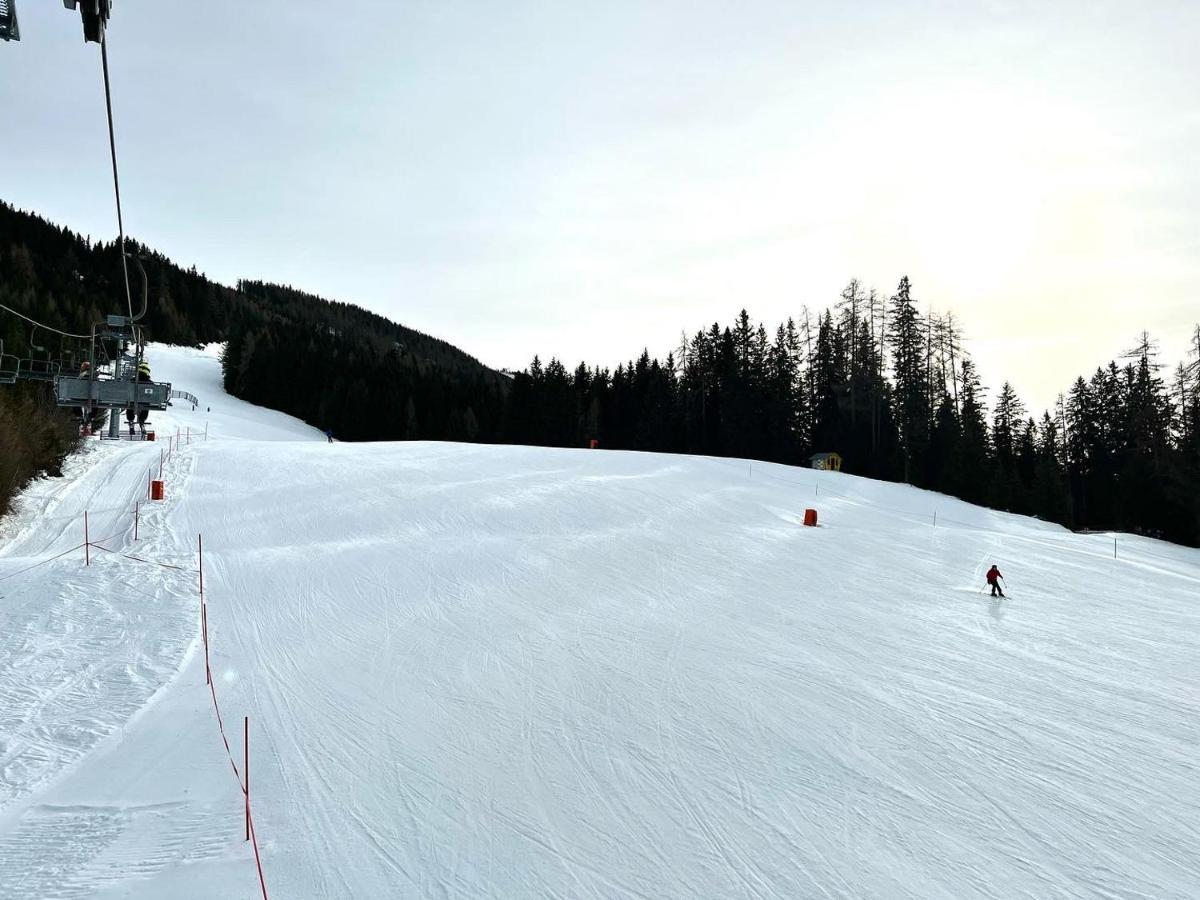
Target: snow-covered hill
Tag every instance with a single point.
(516, 672)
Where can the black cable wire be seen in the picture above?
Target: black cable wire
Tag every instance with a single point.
(112, 145)
(20, 315)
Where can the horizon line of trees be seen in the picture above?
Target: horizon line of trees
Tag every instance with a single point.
(896, 394)
(894, 391)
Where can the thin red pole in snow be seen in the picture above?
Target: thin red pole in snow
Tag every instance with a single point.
(135, 520)
(87, 542)
(247, 766)
(203, 609)
(204, 620)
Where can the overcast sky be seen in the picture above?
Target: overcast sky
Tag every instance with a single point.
(583, 180)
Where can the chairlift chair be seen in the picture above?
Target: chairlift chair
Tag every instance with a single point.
(95, 15)
(122, 389)
(8, 21)
(8, 366)
(35, 368)
(66, 355)
(34, 348)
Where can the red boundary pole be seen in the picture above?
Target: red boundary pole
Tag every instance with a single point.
(247, 770)
(207, 666)
(87, 541)
(200, 549)
(136, 507)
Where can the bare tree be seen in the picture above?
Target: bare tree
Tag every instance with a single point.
(848, 307)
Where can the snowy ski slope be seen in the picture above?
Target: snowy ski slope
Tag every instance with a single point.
(514, 672)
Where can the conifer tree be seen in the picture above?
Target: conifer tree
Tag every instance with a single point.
(912, 389)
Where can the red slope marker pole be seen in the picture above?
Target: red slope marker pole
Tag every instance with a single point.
(247, 767)
(87, 541)
(136, 506)
(203, 609)
(207, 666)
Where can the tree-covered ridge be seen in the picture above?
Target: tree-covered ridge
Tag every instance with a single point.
(894, 392)
(66, 281)
(335, 365)
(347, 319)
(355, 373)
(63, 279)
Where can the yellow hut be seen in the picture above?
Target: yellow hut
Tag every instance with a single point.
(826, 462)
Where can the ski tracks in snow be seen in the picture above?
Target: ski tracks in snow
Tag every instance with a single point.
(82, 651)
(79, 851)
(512, 672)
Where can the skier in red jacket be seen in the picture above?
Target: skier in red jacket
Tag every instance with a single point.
(994, 578)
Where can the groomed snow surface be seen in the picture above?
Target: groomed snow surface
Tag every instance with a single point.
(507, 672)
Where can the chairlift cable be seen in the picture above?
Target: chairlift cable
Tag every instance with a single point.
(112, 145)
(85, 337)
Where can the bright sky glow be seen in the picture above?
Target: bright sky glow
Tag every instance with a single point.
(582, 180)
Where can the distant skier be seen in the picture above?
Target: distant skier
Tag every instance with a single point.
(329, 435)
(994, 578)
